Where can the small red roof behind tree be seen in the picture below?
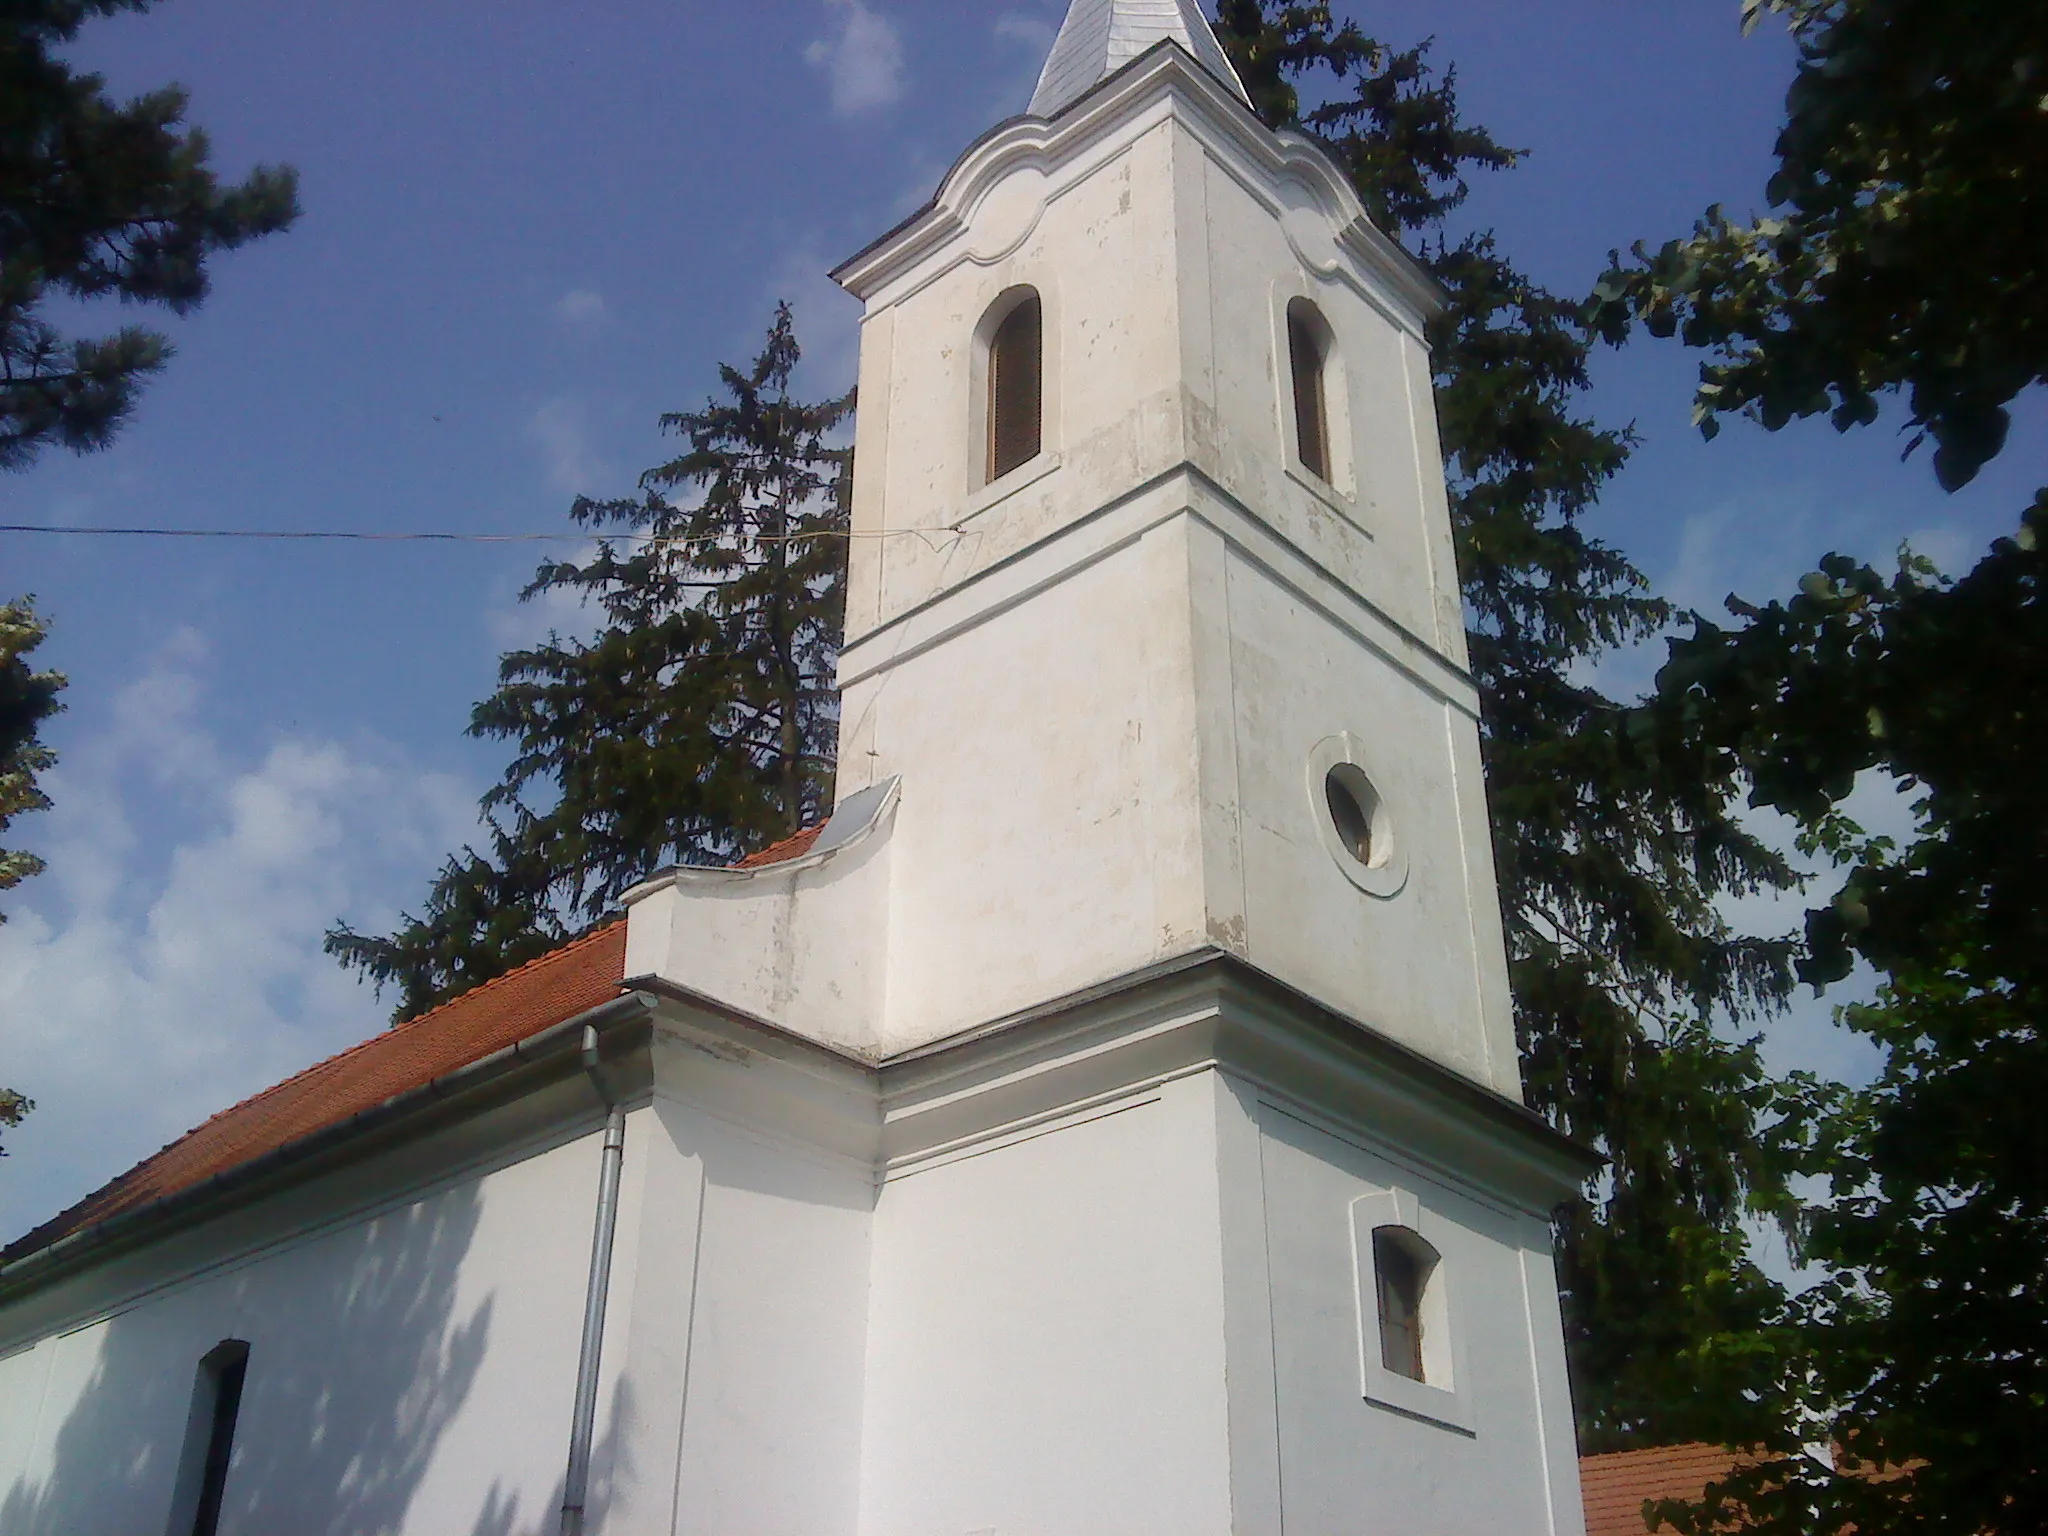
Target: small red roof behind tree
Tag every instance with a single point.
(1617, 1485)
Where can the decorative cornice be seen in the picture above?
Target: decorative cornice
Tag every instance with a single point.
(1210, 1010)
(1164, 76)
(1204, 1011)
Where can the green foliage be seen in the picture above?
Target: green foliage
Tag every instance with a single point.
(27, 699)
(698, 724)
(99, 198)
(1907, 244)
(1610, 863)
(1905, 257)
(483, 916)
(1924, 1347)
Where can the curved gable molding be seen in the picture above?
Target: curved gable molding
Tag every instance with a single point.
(977, 209)
(859, 817)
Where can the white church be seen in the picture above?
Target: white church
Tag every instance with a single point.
(1107, 1124)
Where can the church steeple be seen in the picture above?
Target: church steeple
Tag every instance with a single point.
(1101, 36)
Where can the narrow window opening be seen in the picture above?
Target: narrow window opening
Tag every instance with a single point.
(1306, 352)
(221, 1375)
(1016, 388)
(1401, 1273)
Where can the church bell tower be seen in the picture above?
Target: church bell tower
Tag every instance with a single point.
(1153, 603)
(1154, 941)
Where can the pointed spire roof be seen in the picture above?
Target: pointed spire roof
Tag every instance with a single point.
(1101, 36)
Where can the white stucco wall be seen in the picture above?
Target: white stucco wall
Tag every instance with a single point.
(1077, 773)
(410, 1367)
(413, 1355)
(1409, 964)
(1148, 1316)
(1350, 1464)
(771, 1427)
(802, 944)
(1046, 1339)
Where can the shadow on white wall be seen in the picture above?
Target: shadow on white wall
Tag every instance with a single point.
(359, 1365)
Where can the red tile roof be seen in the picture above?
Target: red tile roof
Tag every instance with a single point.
(523, 1002)
(782, 852)
(516, 1006)
(1617, 1485)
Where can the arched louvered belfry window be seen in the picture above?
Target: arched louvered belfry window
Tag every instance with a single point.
(1016, 385)
(1308, 351)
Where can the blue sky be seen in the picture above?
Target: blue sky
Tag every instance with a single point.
(530, 228)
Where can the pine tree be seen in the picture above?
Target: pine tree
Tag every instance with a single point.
(27, 699)
(99, 198)
(1610, 862)
(697, 725)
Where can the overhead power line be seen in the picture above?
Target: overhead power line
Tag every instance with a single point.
(363, 537)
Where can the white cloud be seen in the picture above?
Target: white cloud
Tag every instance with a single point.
(560, 430)
(1031, 31)
(1954, 550)
(863, 58)
(1034, 32)
(169, 963)
(1757, 547)
(580, 307)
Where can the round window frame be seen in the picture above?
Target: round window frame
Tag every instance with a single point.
(1387, 875)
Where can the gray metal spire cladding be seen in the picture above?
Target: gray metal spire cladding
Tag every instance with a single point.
(1101, 36)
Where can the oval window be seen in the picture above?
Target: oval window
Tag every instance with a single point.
(1355, 812)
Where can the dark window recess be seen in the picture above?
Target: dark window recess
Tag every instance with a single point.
(1350, 817)
(1016, 388)
(1311, 419)
(1400, 1273)
(223, 1371)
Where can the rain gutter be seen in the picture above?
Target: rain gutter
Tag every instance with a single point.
(129, 1226)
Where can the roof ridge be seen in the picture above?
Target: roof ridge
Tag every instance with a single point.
(559, 950)
(1666, 1452)
(785, 850)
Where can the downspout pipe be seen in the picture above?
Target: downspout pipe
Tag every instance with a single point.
(583, 1427)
